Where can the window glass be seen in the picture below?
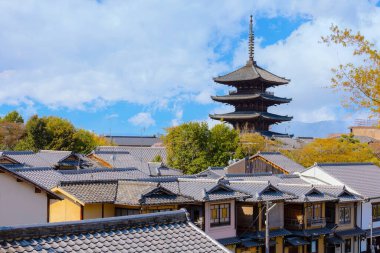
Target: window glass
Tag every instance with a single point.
(219, 214)
(376, 211)
(313, 246)
(344, 214)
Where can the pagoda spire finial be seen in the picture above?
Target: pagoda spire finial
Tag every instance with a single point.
(251, 42)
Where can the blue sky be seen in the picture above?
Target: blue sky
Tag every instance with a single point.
(137, 67)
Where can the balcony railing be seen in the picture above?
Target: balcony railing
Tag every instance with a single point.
(316, 222)
(294, 223)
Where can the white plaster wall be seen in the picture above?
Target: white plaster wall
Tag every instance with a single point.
(222, 231)
(19, 204)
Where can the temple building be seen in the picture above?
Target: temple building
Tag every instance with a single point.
(250, 97)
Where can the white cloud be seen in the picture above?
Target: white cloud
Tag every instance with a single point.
(112, 116)
(85, 55)
(142, 119)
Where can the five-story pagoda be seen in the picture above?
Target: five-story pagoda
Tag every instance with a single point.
(251, 98)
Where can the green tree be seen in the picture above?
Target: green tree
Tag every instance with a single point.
(360, 80)
(222, 144)
(12, 117)
(344, 149)
(157, 159)
(192, 147)
(57, 134)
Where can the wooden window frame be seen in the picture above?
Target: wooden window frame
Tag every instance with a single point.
(346, 210)
(376, 209)
(218, 209)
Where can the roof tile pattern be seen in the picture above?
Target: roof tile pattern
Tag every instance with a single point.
(360, 177)
(280, 160)
(94, 192)
(161, 232)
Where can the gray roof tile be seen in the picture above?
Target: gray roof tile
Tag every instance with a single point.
(363, 178)
(281, 161)
(160, 232)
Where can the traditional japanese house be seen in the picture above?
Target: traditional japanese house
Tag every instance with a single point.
(250, 97)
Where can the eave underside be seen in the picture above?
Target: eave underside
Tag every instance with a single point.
(259, 97)
(250, 116)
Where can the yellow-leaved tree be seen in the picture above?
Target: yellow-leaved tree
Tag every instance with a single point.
(333, 150)
(362, 78)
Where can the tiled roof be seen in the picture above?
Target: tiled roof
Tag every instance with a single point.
(159, 169)
(28, 158)
(94, 192)
(53, 156)
(159, 232)
(249, 115)
(146, 193)
(351, 232)
(260, 191)
(272, 233)
(48, 177)
(241, 97)
(250, 72)
(23, 178)
(306, 193)
(281, 161)
(267, 177)
(213, 172)
(134, 141)
(363, 178)
(102, 174)
(203, 189)
(146, 154)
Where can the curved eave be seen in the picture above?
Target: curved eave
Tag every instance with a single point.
(248, 73)
(249, 116)
(237, 98)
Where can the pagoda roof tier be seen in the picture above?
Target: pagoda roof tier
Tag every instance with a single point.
(250, 72)
(250, 97)
(249, 115)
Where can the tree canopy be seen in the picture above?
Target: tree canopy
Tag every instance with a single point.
(48, 132)
(360, 79)
(192, 147)
(331, 150)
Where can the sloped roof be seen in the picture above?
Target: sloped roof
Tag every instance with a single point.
(50, 178)
(203, 189)
(363, 178)
(46, 176)
(260, 191)
(281, 161)
(27, 158)
(250, 97)
(54, 157)
(146, 193)
(91, 192)
(146, 154)
(133, 141)
(247, 115)
(158, 232)
(102, 174)
(250, 72)
(213, 172)
(37, 185)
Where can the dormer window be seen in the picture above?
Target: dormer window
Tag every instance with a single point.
(220, 214)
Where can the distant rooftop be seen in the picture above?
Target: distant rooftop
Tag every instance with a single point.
(134, 141)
